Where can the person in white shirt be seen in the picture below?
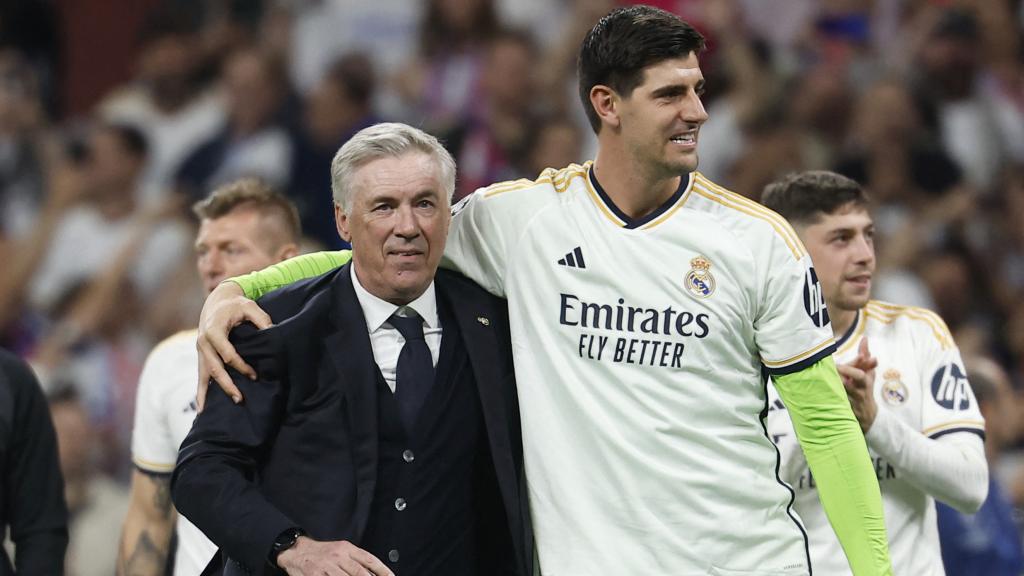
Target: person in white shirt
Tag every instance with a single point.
(904, 377)
(244, 226)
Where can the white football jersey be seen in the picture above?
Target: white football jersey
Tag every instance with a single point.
(921, 380)
(165, 407)
(639, 347)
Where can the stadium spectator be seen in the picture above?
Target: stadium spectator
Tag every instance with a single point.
(489, 145)
(96, 502)
(166, 100)
(442, 82)
(337, 107)
(252, 143)
(93, 232)
(32, 509)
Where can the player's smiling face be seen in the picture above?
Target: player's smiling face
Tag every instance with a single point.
(842, 247)
(661, 118)
(397, 222)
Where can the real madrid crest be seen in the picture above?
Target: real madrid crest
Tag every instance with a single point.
(894, 392)
(699, 281)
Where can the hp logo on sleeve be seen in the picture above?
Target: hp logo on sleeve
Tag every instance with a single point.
(814, 299)
(950, 388)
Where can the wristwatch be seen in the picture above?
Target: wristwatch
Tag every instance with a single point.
(284, 541)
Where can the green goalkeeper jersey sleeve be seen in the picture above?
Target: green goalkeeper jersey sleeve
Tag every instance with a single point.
(838, 457)
(256, 284)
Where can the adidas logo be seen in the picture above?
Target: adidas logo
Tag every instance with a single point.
(573, 259)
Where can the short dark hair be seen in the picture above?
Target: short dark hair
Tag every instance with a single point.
(804, 197)
(254, 194)
(623, 43)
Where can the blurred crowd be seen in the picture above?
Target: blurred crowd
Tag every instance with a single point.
(922, 101)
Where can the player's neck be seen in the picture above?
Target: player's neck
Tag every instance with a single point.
(841, 320)
(634, 192)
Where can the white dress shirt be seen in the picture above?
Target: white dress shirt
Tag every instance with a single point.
(385, 339)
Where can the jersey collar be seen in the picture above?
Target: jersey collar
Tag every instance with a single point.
(625, 221)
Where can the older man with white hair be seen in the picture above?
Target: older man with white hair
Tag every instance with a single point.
(382, 434)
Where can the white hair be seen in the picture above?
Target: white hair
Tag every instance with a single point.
(388, 139)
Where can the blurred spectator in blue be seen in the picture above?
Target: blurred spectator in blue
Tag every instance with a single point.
(988, 542)
(253, 142)
(166, 100)
(339, 105)
(490, 144)
(442, 83)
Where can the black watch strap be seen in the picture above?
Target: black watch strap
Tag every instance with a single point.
(284, 541)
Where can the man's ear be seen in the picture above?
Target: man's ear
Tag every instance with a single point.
(606, 104)
(341, 222)
(289, 250)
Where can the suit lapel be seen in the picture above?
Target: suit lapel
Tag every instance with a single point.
(349, 349)
(478, 323)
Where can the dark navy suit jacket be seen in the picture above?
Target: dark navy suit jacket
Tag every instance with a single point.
(301, 450)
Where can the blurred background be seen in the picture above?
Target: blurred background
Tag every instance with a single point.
(116, 115)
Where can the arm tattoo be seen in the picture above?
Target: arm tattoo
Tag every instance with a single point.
(146, 559)
(162, 495)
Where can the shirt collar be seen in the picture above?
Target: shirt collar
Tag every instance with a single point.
(377, 311)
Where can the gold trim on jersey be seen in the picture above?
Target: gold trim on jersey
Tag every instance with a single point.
(888, 313)
(857, 333)
(559, 179)
(620, 222)
(716, 193)
(153, 466)
(979, 424)
(668, 213)
(798, 357)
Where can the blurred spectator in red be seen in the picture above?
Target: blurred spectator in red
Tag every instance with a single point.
(96, 503)
(442, 83)
(339, 105)
(253, 141)
(490, 144)
(166, 100)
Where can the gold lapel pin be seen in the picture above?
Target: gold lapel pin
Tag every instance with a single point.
(483, 320)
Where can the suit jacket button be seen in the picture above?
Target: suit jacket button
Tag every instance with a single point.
(408, 456)
(393, 555)
(400, 504)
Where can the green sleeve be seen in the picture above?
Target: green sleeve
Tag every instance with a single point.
(256, 284)
(838, 457)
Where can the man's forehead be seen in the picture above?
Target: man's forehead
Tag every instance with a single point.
(682, 67)
(846, 216)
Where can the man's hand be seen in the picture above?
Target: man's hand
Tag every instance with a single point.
(859, 380)
(225, 308)
(310, 557)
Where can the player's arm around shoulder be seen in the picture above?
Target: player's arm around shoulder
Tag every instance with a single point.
(837, 455)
